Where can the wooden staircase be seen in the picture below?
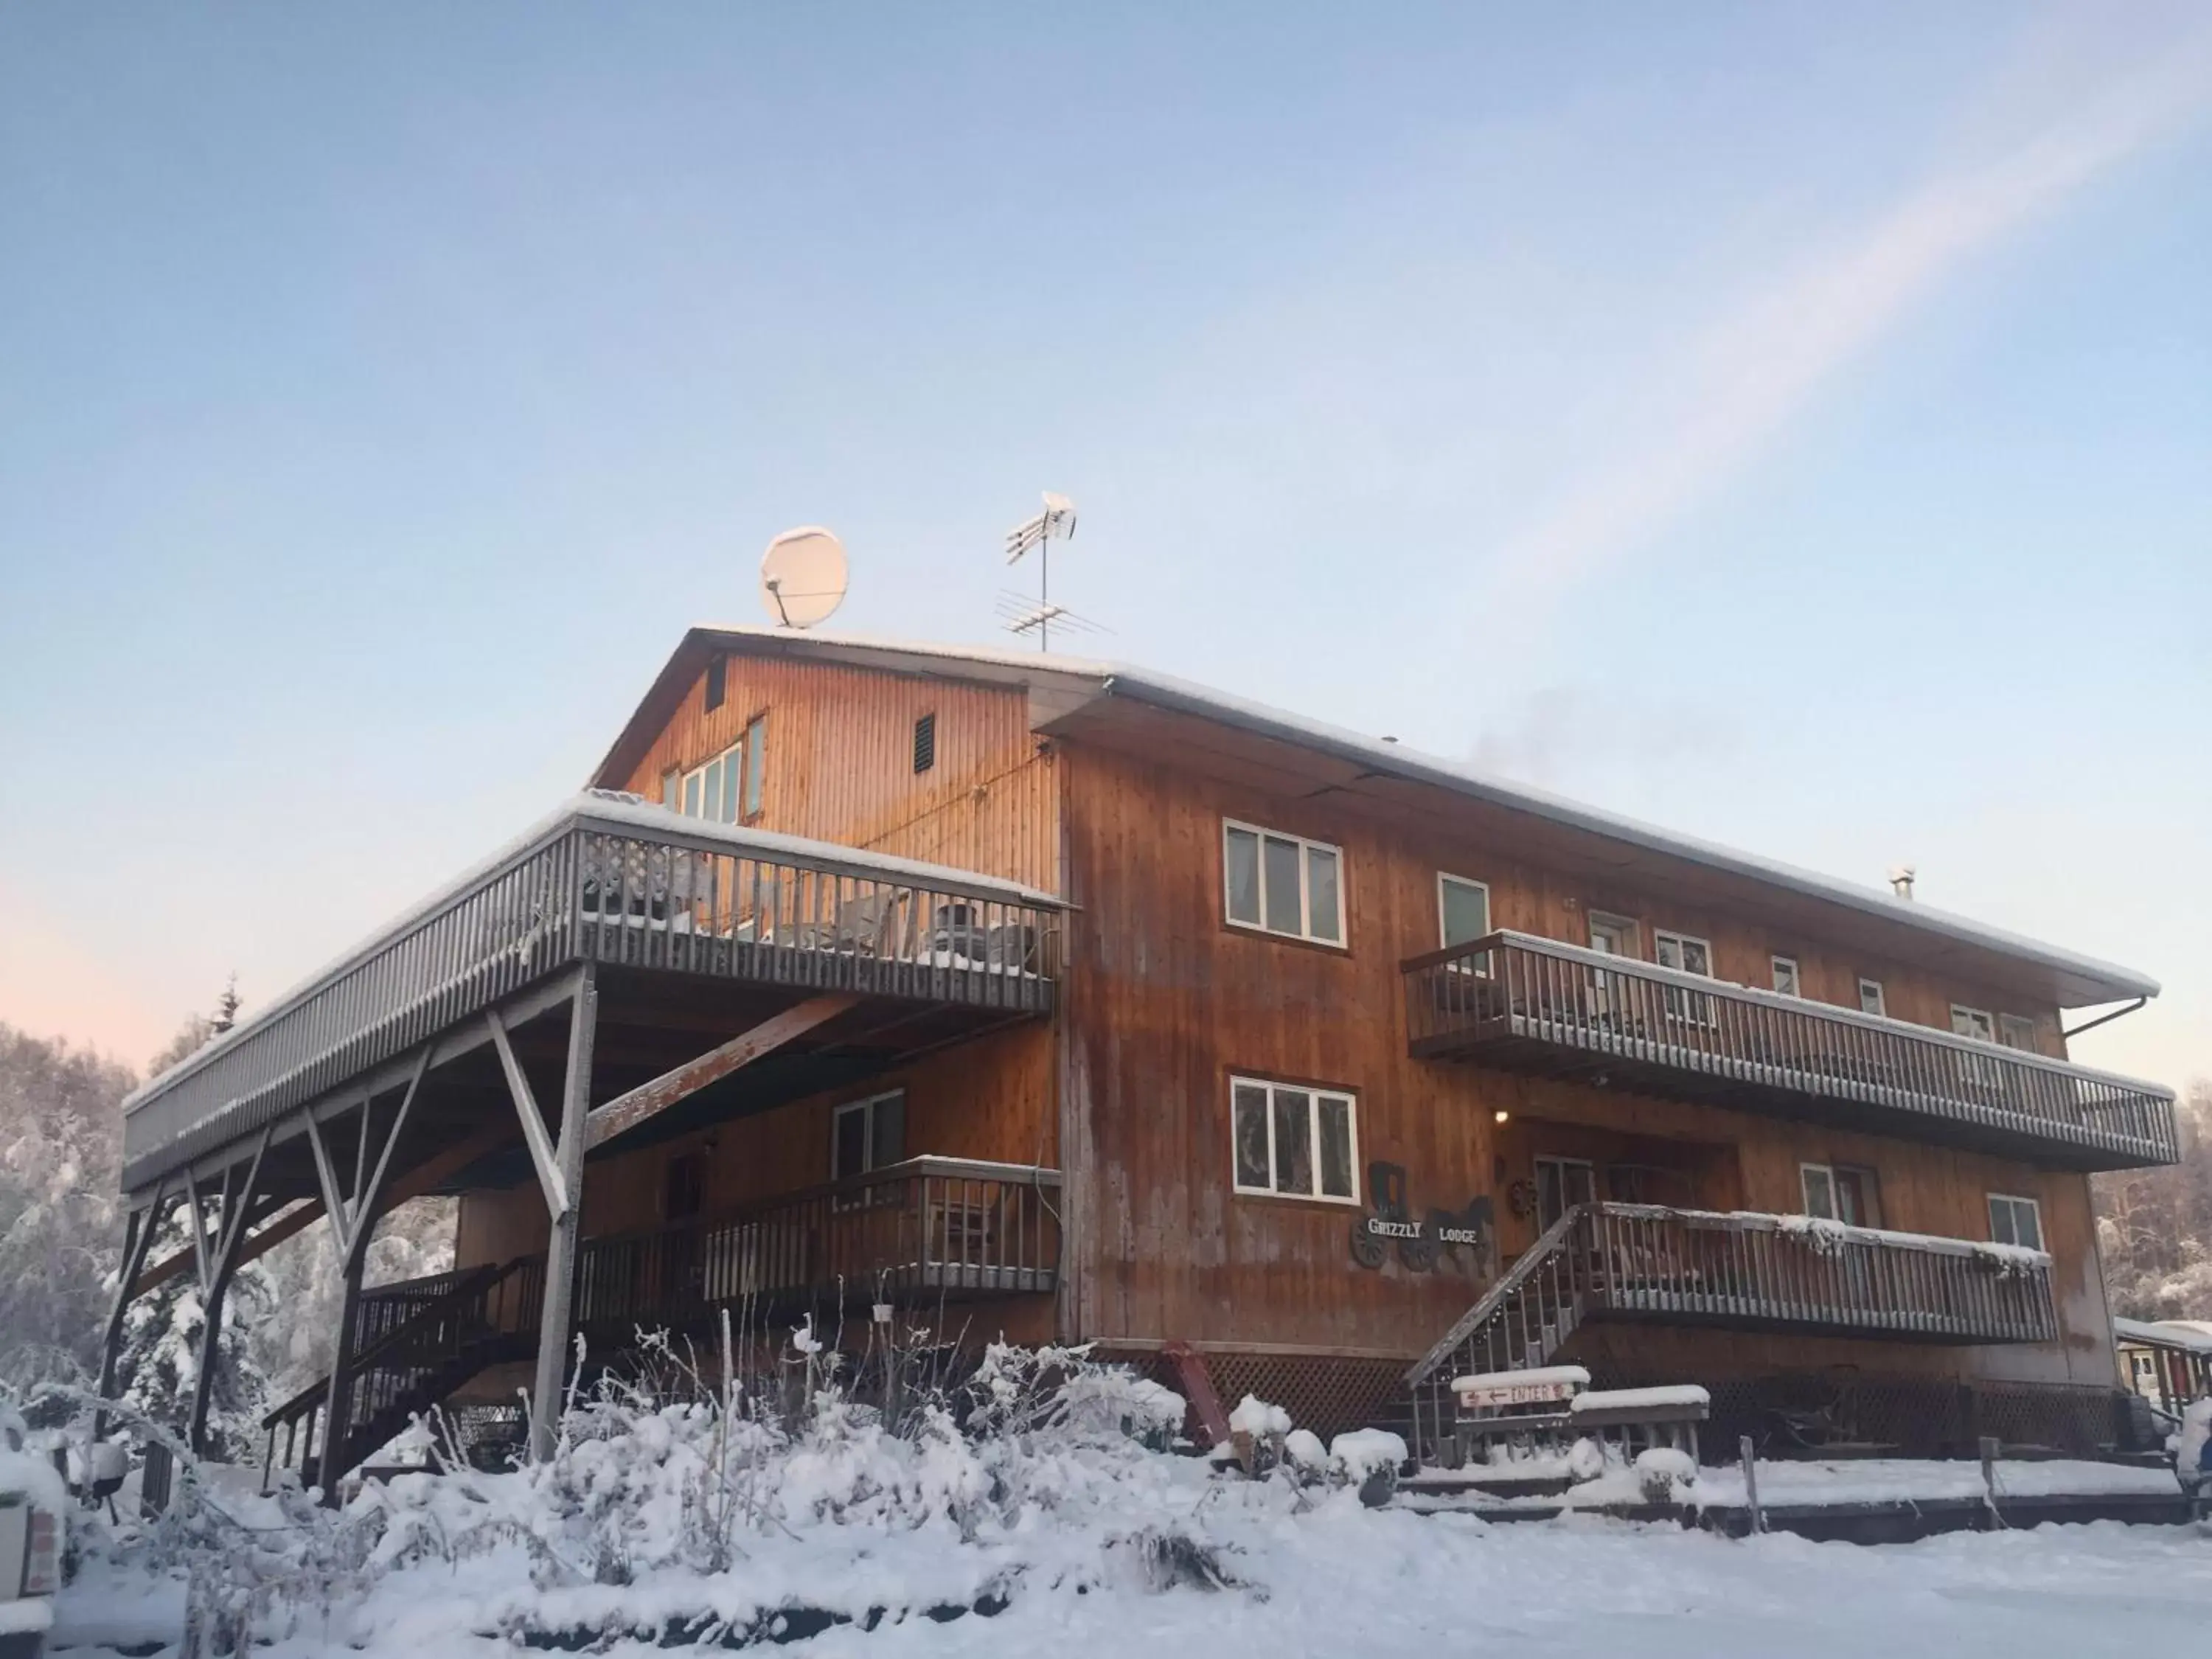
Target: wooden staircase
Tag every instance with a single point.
(1519, 1324)
(414, 1345)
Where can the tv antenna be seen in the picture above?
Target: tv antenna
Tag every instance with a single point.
(1036, 535)
(803, 576)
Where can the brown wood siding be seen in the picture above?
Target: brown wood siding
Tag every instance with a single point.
(840, 745)
(1163, 1002)
(987, 1099)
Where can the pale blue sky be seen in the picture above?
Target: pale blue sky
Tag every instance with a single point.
(1790, 423)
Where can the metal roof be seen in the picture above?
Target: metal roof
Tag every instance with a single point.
(1073, 680)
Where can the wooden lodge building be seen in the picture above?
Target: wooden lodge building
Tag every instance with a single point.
(1063, 1000)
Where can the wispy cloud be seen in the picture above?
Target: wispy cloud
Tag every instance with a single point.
(1758, 366)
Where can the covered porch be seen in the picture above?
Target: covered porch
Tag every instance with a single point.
(616, 975)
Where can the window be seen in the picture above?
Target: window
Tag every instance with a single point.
(1690, 956)
(756, 766)
(718, 679)
(1283, 883)
(925, 743)
(710, 792)
(868, 1134)
(1785, 975)
(1463, 916)
(1838, 1192)
(1870, 1001)
(1614, 935)
(1562, 1183)
(672, 789)
(1979, 1070)
(2016, 1031)
(1296, 1141)
(2016, 1221)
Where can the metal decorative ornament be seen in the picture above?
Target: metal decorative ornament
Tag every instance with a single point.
(1421, 1243)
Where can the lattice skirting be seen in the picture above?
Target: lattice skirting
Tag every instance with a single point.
(1326, 1393)
(1789, 1411)
(1916, 1417)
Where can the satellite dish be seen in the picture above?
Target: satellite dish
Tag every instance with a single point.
(803, 576)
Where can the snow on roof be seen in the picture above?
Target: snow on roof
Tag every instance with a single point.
(2191, 1335)
(2095, 980)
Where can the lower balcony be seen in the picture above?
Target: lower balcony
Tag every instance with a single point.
(1741, 1271)
(1536, 1006)
(927, 1230)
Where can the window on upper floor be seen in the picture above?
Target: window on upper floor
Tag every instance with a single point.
(727, 789)
(1293, 1141)
(1785, 975)
(1462, 917)
(2016, 1031)
(2015, 1220)
(1870, 998)
(1282, 884)
(710, 792)
(717, 680)
(1972, 1022)
(925, 743)
(1688, 955)
(1840, 1192)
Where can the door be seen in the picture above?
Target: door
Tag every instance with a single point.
(1562, 1183)
(1614, 936)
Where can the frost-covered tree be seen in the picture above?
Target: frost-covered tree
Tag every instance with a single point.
(2155, 1227)
(60, 1152)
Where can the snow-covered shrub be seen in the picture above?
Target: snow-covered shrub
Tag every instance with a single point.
(1585, 1460)
(1663, 1471)
(1303, 1452)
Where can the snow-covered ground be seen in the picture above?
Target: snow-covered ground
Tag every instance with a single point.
(1043, 1526)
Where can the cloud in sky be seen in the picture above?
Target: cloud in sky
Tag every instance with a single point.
(1758, 368)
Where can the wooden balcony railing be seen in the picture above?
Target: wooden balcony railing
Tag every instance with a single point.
(608, 880)
(1535, 1005)
(927, 1228)
(1742, 1271)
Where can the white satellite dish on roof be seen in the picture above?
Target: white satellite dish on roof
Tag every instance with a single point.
(803, 576)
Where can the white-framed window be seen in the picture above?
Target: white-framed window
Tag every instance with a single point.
(867, 1134)
(727, 789)
(1689, 954)
(2016, 1031)
(1978, 1070)
(2015, 1220)
(1870, 998)
(1839, 1191)
(1463, 916)
(1785, 976)
(1614, 936)
(1282, 884)
(1294, 1141)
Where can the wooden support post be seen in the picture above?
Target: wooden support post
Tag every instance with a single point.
(568, 1217)
(338, 1406)
(236, 1208)
(1744, 1451)
(137, 1236)
(354, 1223)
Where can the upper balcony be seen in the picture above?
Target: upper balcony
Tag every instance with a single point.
(738, 914)
(1537, 1006)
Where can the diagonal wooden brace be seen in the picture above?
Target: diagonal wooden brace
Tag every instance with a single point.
(648, 1100)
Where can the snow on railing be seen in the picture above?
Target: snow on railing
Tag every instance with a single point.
(1546, 1005)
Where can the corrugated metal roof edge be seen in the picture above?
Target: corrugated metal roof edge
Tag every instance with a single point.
(1117, 679)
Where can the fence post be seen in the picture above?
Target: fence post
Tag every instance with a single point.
(1751, 1483)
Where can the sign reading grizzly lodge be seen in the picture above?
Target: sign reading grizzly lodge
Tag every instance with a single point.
(1421, 1241)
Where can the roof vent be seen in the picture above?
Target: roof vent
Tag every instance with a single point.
(1900, 880)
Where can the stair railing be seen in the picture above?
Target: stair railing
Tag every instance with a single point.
(436, 1335)
(1519, 1323)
